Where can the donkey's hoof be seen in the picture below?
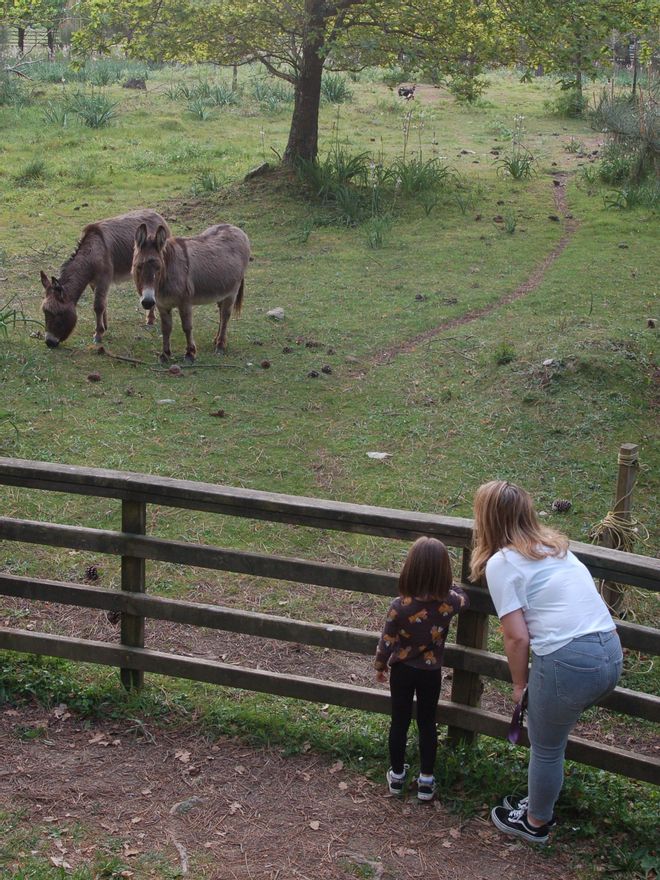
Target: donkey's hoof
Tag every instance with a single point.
(97, 339)
(220, 349)
(189, 358)
(164, 358)
(149, 326)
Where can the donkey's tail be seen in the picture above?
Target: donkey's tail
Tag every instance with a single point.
(238, 302)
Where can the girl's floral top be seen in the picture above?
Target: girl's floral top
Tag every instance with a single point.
(415, 630)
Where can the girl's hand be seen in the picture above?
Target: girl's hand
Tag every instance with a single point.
(381, 676)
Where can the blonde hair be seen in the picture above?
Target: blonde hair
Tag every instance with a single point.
(426, 571)
(504, 516)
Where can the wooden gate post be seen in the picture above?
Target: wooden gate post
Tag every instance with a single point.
(472, 631)
(133, 520)
(613, 593)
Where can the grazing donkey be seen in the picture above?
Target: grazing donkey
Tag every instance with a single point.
(104, 255)
(184, 272)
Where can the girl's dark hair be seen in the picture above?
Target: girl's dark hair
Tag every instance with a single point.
(427, 570)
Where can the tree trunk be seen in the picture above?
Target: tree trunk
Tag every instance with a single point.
(304, 132)
(21, 41)
(234, 78)
(51, 44)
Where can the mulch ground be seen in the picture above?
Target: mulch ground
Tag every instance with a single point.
(223, 810)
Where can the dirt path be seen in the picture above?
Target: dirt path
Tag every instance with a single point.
(225, 811)
(530, 284)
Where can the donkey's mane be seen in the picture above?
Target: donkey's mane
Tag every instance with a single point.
(92, 227)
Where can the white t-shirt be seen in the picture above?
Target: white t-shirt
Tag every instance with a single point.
(557, 596)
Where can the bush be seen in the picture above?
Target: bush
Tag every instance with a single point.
(631, 125)
(569, 104)
(467, 88)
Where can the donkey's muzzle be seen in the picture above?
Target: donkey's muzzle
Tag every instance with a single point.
(147, 300)
(52, 342)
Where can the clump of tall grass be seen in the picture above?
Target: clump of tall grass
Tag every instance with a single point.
(12, 92)
(56, 113)
(520, 162)
(271, 96)
(361, 187)
(32, 174)
(335, 89)
(94, 109)
(206, 182)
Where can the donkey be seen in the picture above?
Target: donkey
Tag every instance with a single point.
(103, 256)
(185, 272)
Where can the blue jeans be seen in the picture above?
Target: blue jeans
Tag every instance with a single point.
(561, 686)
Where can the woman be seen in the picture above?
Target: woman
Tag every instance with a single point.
(545, 599)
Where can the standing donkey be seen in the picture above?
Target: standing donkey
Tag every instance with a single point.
(104, 256)
(184, 272)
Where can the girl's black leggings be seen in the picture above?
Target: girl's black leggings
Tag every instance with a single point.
(405, 682)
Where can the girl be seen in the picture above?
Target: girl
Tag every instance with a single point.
(412, 645)
(545, 599)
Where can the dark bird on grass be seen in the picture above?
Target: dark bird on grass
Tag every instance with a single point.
(407, 92)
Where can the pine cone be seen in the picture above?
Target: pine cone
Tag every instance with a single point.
(561, 505)
(91, 573)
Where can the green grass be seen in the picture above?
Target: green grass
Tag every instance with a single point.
(472, 403)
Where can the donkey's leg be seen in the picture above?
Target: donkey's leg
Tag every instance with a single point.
(225, 307)
(186, 322)
(151, 319)
(100, 302)
(166, 329)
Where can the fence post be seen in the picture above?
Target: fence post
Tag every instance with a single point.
(133, 520)
(612, 593)
(467, 687)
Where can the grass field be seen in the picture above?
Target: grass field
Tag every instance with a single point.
(452, 408)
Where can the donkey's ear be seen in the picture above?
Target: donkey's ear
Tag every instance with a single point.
(44, 279)
(161, 237)
(141, 235)
(57, 288)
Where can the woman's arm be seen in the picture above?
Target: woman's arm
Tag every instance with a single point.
(516, 646)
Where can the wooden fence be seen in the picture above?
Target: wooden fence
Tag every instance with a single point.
(469, 657)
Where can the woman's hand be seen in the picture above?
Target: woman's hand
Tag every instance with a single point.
(381, 676)
(518, 691)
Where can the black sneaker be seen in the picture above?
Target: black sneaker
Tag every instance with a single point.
(396, 786)
(511, 802)
(425, 790)
(515, 822)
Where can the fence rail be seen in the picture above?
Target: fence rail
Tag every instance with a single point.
(468, 657)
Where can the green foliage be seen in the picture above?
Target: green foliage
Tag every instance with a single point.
(56, 113)
(504, 354)
(519, 163)
(12, 92)
(206, 182)
(199, 108)
(642, 195)
(466, 86)
(376, 229)
(633, 130)
(416, 176)
(335, 89)
(569, 104)
(93, 109)
(271, 95)
(574, 146)
(32, 174)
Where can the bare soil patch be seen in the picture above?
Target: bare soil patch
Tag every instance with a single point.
(221, 810)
